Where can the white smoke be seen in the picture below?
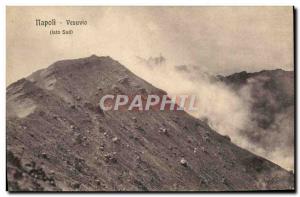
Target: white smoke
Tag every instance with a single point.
(226, 111)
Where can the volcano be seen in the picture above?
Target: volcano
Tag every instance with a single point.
(58, 139)
(270, 94)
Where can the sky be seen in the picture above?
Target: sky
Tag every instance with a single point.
(220, 40)
(217, 40)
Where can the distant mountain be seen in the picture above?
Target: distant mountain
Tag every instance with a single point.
(58, 139)
(271, 95)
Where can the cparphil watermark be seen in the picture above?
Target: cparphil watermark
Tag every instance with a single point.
(148, 102)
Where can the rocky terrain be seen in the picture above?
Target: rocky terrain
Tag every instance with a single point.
(58, 139)
(267, 97)
(271, 97)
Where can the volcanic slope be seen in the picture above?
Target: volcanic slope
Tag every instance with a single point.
(58, 139)
(271, 97)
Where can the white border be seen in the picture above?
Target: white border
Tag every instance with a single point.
(5, 3)
(149, 2)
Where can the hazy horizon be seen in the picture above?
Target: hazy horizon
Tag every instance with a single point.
(219, 40)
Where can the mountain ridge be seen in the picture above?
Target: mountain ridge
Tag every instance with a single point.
(62, 141)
